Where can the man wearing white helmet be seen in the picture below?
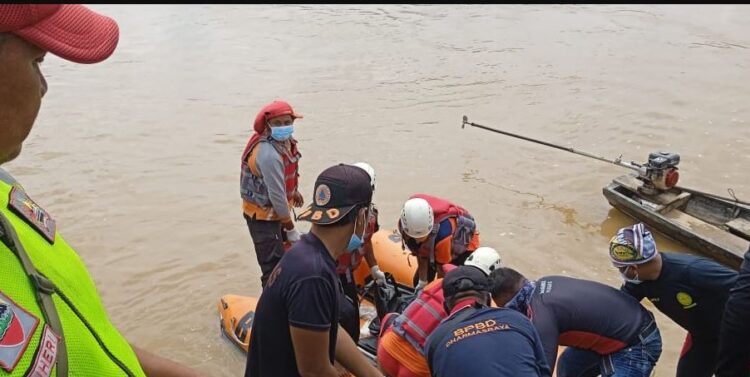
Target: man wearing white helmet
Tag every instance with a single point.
(401, 348)
(348, 263)
(437, 232)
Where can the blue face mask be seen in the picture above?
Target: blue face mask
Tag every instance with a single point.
(356, 241)
(282, 133)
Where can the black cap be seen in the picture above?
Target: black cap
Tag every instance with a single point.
(338, 190)
(464, 278)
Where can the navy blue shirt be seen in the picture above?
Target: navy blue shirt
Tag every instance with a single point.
(690, 290)
(302, 291)
(585, 314)
(734, 342)
(489, 342)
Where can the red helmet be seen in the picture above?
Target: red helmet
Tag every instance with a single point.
(272, 110)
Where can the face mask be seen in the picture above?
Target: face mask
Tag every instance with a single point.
(634, 280)
(356, 241)
(282, 133)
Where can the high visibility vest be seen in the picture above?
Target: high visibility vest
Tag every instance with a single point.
(28, 345)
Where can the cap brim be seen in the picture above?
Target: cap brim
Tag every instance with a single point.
(75, 33)
(324, 216)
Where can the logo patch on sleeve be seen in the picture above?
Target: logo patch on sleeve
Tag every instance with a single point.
(46, 354)
(17, 326)
(20, 203)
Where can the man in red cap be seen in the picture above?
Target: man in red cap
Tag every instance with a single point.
(52, 321)
(268, 184)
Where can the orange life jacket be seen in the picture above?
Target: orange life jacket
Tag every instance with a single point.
(441, 210)
(252, 188)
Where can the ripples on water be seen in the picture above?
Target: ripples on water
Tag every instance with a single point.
(138, 157)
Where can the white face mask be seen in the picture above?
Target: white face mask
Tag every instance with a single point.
(634, 280)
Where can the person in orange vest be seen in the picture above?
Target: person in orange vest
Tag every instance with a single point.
(437, 232)
(401, 347)
(268, 184)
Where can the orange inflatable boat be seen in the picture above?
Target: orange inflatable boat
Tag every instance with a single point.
(237, 312)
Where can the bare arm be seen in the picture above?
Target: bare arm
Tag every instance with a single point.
(157, 366)
(348, 355)
(370, 254)
(311, 352)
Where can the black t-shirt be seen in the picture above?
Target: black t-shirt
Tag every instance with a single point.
(302, 291)
(585, 314)
(690, 290)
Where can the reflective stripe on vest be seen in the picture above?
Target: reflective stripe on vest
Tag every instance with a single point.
(422, 316)
(252, 187)
(94, 346)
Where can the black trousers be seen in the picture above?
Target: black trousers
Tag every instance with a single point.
(349, 307)
(268, 239)
(734, 337)
(698, 357)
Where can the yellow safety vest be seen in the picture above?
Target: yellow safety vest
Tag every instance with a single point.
(28, 345)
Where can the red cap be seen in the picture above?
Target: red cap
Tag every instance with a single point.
(70, 31)
(272, 110)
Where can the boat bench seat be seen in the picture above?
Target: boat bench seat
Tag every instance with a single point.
(740, 226)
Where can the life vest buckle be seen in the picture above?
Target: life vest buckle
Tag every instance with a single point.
(43, 284)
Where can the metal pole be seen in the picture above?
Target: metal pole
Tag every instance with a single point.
(618, 161)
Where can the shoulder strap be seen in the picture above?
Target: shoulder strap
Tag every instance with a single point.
(441, 331)
(43, 288)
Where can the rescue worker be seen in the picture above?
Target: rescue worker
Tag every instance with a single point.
(437, 232)
(479, 341)
(690, 290)
(268, 184)
(348, 263)
(52, 321)
(295, 329)
(585, 316)
(401, 347)
(734, 338)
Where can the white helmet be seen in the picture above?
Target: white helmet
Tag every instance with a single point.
(366, 167)
(416, 218)
(485, 258)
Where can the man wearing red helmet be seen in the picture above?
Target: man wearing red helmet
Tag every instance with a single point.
(52, 321)
(268, 184)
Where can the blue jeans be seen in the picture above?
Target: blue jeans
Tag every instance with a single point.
(637, 360)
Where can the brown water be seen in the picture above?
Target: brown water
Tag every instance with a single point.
(138, 157)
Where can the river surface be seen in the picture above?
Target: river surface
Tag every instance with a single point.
(138, 157)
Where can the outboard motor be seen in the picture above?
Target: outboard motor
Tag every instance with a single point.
(659, 173)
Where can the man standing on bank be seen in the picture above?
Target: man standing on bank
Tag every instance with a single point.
(690, 290)
(295, 331)
(52, 321)
(268, 184)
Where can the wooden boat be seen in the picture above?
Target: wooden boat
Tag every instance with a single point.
(717, 228)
